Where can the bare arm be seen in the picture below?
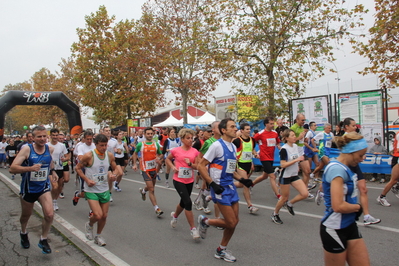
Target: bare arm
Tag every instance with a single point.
(337, 198)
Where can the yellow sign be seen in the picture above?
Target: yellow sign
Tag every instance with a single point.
(246, 106)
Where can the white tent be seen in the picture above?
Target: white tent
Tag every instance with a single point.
(206, 118)
(170, 121)
(190, 119)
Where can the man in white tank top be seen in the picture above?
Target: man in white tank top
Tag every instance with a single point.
(96, 164)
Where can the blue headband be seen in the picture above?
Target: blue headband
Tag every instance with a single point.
(354, 146)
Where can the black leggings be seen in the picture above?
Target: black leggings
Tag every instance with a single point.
(184, 191)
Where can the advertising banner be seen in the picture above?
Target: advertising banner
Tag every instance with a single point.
(225, 107)
(314, 109)
(245, 107)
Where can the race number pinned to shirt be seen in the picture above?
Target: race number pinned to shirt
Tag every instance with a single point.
(100, 178)
(328, 144)
(40, 175)
(246, 155)
(231, 166)
(271, 142)
(185, 172)
(150, 164)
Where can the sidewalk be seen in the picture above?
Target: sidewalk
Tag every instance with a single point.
(11, 253)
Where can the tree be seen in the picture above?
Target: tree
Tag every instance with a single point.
(382, 48)
(280, 45)
(191, 57)
(114, 69)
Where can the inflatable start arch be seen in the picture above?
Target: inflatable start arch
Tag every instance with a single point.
(57, 98)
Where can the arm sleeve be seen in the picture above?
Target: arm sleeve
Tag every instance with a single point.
(283, 154)
(237, 142)
(138, 147)
(165, 145)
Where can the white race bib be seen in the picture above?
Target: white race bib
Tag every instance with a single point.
(39, 176)
(185, 172)
(246, 155)
(328, 144)
(150, 164)
(100, 178)
(231, 166)
(271, 142)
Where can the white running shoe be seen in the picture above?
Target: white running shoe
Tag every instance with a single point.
(371, 220)
(167, 183)
(225, 255)
(195, 234)
(89, 231)
(253, 209)
(310, 196)
(207, 210)
(383, 201)
(99, 240)
(197, 205)
(173, 223)
(197, 186)
(202, 226)
(319, 197)
(55, 206)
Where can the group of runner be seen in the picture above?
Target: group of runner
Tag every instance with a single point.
(221, 156)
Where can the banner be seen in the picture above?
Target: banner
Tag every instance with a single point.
(225, 107)
(245, 107)
(314, 109)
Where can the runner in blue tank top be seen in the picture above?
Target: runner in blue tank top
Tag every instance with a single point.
(36, 166)
(221, 158)
(342, 241)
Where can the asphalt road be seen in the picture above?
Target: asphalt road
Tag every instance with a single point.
(136, 236)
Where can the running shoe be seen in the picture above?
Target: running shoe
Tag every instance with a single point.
(55, 206)
(319, 197)
(225, 255)
(158, 177)
(62, 195)
(143, 197)
(202, 226)
(371, 220)
(197, 186)
(197, 205)
(116, 187)
(310, 196)
(24, 240)
(43, 244)
(173, 223)
(99, 240)
(253, 209)
(395, 190)
(90, 214)
(207, 210)
(75, 199)
(312, 185)
(195, 234)
(311, 175)
(373, 179)
(383, 201)
(382, 180)
(167, 183)
(110, 197)
(88, 231)
(276, 219)
(208, 198)
(290, 209)
(160, 171)
(159, 212)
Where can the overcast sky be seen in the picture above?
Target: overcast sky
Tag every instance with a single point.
(37, 34)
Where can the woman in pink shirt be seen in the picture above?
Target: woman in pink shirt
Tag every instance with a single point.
(182, 161)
